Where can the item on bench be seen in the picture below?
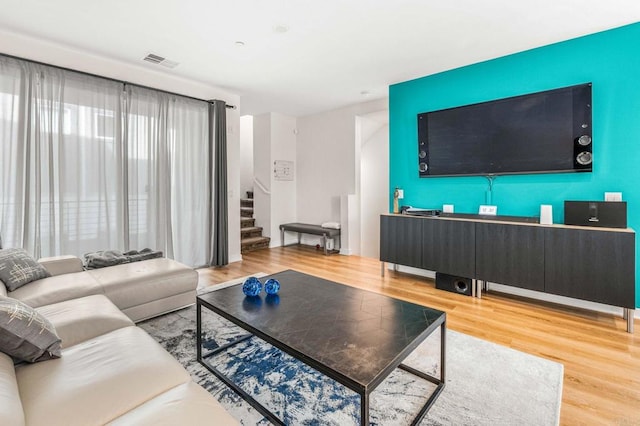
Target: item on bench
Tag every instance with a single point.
(331, 225)
(104, 258)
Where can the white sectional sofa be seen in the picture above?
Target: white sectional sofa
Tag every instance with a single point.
(140, 289)
(110, 371)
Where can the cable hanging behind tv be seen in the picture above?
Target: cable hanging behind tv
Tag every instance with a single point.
(543, 132)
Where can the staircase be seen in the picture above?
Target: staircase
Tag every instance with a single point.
(250, 235)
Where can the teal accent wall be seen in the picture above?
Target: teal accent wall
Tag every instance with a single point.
(608, 59)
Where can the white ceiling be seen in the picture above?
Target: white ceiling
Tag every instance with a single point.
(333, 51)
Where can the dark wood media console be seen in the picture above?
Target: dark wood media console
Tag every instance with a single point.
(593, 264)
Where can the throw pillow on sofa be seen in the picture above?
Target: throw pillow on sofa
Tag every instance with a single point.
(25, 334)
(18, 268)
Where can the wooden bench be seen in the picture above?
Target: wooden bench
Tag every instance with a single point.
(306, 228)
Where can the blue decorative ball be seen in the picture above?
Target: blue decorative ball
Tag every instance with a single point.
(252, 286)
(272, 286)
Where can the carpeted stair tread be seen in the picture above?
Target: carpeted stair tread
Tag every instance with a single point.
(250, 232)
(254, 243)
(247, 222)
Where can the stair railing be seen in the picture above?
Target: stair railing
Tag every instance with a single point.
(260, 185)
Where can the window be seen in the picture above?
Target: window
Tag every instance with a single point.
(104, 127)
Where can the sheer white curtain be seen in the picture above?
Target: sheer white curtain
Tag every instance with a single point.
(167, 174)
(90, 164)
(60, 151)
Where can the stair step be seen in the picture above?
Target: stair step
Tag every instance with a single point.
(246, 211)
(254, 243)
(247, 222)
(246, 202)
(251, 231)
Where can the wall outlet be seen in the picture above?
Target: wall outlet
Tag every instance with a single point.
(613, 196)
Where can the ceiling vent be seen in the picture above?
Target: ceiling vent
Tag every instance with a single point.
(156, 59)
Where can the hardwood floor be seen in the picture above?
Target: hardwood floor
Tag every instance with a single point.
(601, 360)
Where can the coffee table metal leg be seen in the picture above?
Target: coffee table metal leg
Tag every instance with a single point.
(198, 330)
(440, 382)
(364, 409)
(227, 381)
(244, 395)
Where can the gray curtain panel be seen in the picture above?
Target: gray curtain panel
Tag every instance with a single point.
(219, 221)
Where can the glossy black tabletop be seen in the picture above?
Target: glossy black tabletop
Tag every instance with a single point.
(355, 336)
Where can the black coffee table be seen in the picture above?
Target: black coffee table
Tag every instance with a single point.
(353, 336)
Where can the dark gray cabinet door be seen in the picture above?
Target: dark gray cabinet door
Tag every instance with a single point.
(510, 254)
(401, 240)
(591, 265)
(449, 247)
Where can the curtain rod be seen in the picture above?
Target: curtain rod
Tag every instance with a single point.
(113, 79)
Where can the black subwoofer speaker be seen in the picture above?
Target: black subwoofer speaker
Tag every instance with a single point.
(460, 285)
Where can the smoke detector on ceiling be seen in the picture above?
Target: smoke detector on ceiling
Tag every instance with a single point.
(159, 60)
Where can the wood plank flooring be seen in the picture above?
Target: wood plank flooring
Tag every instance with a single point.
(601, 360)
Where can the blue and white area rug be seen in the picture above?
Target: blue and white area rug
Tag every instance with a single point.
(486, 384)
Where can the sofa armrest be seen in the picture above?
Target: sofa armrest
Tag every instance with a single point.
(59, 265)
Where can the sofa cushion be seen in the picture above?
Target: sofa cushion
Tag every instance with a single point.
(58, 265)
(11, 412)
(98, 380)
(25, 334)
(137, 283)
(187, 404)
(3, 290)
(18, 268)
(57, 289)
(82, 319)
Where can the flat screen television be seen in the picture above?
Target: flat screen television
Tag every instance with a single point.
(544, 132)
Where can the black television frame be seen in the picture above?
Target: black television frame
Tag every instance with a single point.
(581, 131)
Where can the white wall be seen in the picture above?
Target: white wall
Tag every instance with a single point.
(144, 74)
(283, 192)
(374, 185)
(326, 162)
(233, 183)
(246, 155)
(262, 171)
(274, 139)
